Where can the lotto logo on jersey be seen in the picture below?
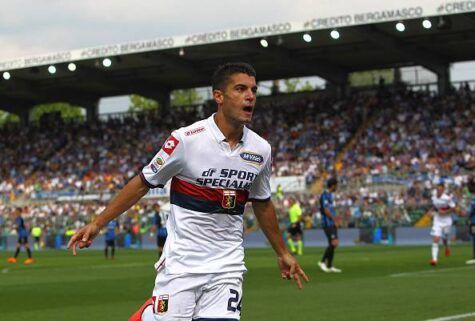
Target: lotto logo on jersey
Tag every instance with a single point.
(160, 304)
(195, 131)
(229, 199)
(170, 144)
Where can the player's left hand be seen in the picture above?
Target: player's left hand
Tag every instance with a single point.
(290, 269)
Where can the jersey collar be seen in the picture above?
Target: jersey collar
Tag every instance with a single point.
(219, 135)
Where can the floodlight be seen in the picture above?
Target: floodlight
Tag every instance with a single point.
(426, 24)
(106, 62)
(400, 27)
(52, 69)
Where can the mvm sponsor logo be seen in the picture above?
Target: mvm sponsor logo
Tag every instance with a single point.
(252, 158)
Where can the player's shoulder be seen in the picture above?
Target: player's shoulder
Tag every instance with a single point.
(257, 141)
(446, 197)
(191, 131)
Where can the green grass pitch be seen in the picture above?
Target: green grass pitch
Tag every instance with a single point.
(377, 283)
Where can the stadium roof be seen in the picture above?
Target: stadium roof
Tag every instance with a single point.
(154, 68)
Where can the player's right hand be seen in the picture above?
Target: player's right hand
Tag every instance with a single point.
(84, 237)
(291, 270)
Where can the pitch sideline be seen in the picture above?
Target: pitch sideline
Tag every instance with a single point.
(430, 271)
(454, 317)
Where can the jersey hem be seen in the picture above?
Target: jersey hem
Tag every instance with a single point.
(204, 271)
(259, 200)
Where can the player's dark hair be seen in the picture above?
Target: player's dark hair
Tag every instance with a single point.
(332, 182)
(224, 72)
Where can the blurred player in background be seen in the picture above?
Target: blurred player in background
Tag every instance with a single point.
(22, 238)
(216, 166)
(444, 207)
(159, 227)
(294, 232)
(329, 224)
(471, 216)
(36, 232)
(112, 229)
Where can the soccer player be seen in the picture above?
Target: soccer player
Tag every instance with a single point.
(471, 214)
(22, 238)
(295, 228)
(159, 227)
(444, 206)
(112, 228)
(216, 165)
(328, 213)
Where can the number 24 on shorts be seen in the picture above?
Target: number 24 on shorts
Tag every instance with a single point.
(234, 303)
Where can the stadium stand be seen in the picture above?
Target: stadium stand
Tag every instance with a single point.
(393, 147)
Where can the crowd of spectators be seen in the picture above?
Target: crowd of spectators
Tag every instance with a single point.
(83, 158)
(408, 141)
(415, 134)
(99, 157)
(307, 134)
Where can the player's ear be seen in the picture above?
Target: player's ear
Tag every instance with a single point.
(218, 96)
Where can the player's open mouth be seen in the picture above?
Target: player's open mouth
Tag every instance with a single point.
(248, 109)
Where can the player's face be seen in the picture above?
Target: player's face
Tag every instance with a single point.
(238, 99)
(440, 189)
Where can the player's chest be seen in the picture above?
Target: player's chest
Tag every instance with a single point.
(220, 168)
(441, 202)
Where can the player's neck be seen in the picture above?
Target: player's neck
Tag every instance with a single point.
(231, 131)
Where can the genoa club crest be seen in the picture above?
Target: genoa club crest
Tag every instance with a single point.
(229, 199)
(160, 303)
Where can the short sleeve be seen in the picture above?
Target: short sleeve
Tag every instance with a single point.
(326, 201)
(167, 163)
(451, 203)
(260, 189)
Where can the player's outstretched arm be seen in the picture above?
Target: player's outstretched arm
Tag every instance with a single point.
(288, 265)
(128, 196)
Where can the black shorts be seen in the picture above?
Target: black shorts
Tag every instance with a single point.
(161, 241)
(331, 233)
(295, 229)
(23, 240)
(110, 243)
